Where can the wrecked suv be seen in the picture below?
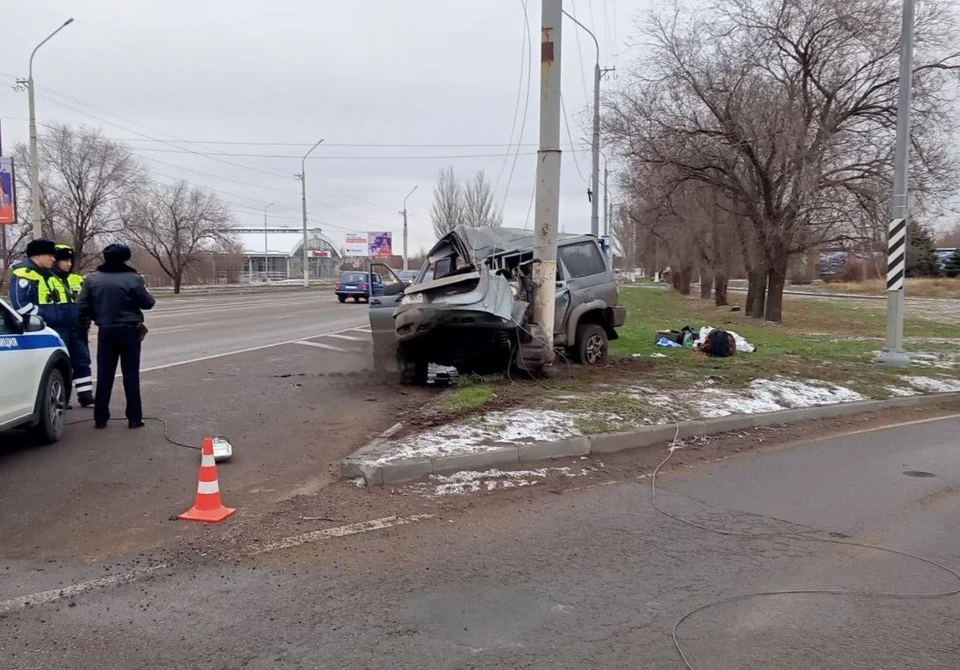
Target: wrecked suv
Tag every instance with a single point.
(471, 304)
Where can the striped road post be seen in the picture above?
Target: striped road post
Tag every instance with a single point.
(893, 354)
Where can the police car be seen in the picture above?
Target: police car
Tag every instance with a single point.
(36, 376)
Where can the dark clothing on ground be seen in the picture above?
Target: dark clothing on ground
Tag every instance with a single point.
(114, 297)
(118, 344)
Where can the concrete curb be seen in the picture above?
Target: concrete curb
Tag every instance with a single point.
(408, 469)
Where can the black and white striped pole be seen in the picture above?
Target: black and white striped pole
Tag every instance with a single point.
(893, 354)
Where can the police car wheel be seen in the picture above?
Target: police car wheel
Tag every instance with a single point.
(53, 402)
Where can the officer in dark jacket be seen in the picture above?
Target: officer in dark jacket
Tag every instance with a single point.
(114, 297)
(75, 331)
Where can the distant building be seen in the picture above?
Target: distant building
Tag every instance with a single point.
(277, 253)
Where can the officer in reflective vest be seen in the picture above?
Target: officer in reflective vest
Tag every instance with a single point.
(31, 291)
(75, 336)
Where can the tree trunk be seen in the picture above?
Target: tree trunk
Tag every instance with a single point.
(177, 281)
(777, 278)
(706, 286)
(756, 292)
(684, 280)
(720, 291)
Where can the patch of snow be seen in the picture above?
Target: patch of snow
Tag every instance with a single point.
(934, 384)
(899, 392)
(771, 395)
(518, 426)
(469, 481)
(359, 482)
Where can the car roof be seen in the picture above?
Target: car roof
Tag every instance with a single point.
(491, 241)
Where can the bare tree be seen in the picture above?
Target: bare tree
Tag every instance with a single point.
(86, 180)
(447, 211)
(787, 109)
(178, 224)
(12, 247)
(478, 208)
(456, 204)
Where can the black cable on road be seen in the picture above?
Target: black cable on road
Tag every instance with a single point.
(166, 434)
(797, 536)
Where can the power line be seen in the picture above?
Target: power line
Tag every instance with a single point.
(526, 103)
(516, 104)
(566, 121)
(343, 158)
(583, 77)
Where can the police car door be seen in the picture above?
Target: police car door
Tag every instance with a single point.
(21, 369)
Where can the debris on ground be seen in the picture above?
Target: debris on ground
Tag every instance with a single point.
(442, 375)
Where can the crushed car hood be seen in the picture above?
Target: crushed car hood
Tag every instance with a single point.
(478, 244)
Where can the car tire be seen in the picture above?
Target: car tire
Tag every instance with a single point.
(591, 345)
(53, 402)
(413, 371)
(342, 298)
(356, 298)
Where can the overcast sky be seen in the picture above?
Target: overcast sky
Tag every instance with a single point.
(280, 75)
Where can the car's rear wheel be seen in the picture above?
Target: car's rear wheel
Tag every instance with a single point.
(342, 298)
(356, 298)
(592, 345)
(53, 402)
(413, 370)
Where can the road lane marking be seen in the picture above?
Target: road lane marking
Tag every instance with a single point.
(328, 347)
(261, 347)
(339, 531)
(346, 337)
(363, 330)
(43, 597)
(169, 329)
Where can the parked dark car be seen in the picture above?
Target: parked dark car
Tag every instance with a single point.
(357, 285)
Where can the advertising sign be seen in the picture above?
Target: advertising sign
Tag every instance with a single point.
(356, 245)
(319, 254)
(381, 244)
(8, 206)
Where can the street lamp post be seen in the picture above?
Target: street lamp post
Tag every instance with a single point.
(893, 354)
(303, 202)
(266, 248)
(595, 176)
(406, 262)
(34, 167)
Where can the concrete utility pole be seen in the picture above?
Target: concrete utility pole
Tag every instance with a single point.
(548, 186)
(595, 175)
(34, 166)
(893, 354)
(406, 258)
(606, 198)
(266, 248)
(303, 202)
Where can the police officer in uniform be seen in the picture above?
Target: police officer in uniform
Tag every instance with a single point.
(33, 291)
(114, 297)
(76, 335)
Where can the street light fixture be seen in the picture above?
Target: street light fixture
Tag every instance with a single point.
(266, 249)
(303, 201)
(404, 212)
(34, 167)
(595, 176)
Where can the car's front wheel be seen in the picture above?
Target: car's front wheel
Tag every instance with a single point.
(53, 402)
(592, 345)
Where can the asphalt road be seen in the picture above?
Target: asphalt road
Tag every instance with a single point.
(588, 578)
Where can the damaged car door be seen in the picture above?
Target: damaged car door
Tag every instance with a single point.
(382, 308)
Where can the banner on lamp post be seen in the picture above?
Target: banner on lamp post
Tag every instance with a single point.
(8, 200)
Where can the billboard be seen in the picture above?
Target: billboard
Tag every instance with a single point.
(8, 205)
(356, 245)
(380, 244)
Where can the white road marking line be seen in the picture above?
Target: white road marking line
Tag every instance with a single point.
(346, 337)
(169, 329)
(43, 597)
(328, 347)
(261, 347)
(339, 531)
(363, 330)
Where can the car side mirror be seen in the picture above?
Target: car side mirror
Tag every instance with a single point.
(33, 324)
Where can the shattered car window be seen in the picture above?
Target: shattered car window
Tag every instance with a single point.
(582, 259)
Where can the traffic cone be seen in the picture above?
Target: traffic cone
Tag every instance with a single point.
(208, 507)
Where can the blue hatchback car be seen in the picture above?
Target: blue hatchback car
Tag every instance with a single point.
(358, 285)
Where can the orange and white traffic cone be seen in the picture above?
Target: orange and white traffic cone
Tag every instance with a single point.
(208, 507)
